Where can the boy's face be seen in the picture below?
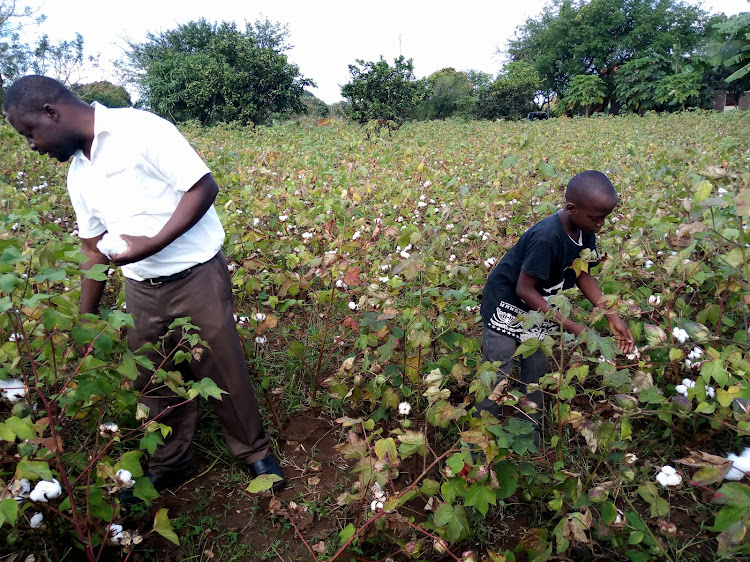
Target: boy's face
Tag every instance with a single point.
(589, 215)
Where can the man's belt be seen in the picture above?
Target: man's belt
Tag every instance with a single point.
(167, 278)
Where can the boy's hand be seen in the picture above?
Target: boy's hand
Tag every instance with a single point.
(621, 333)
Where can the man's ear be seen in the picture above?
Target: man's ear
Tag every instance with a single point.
(50, 111)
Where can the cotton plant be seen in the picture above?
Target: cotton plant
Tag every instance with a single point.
(379, 496)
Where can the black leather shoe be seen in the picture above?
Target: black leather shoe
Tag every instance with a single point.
(269, 465)
(160, 482)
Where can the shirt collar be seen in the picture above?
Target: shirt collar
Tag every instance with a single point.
(102, 125)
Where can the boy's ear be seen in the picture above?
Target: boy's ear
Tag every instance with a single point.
(570, 206)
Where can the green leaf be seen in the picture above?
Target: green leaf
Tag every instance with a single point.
(8, 511)
(144, 489)
(480, 496)
(163, 526)
(98, 272)
(385, 447)
(150, 441)
(131, 461)
(263, 483)
(346, 533)
(507, 478)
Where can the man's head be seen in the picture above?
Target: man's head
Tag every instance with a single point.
(589, 198)
(48, 115)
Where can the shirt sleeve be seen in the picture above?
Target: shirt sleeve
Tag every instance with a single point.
(537, 259)
(171, 154)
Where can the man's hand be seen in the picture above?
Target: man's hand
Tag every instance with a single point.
(621, 333)
(139, 247)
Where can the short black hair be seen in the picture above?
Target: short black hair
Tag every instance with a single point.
(30, 93)
(589, 184)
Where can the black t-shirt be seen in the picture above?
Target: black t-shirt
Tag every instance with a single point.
(544, 251)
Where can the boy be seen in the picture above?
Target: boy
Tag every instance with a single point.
(537, 267)
(133, 174)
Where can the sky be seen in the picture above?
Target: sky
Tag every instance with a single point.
(327, 36)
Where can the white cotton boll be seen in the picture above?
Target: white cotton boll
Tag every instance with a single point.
(356, 235)
(490, 262)
(740, 465)
(352, 305)
(12, 390)
(115, 533)
(383, 279)
(261, 340)
(404, 254)
(654, 300)
(688, 383)
(404, 408)
(45, 490)
(681, 389)
(124, 477)
(696, 353)
(668, 476)
(710, 391)
(112, 245)
(259, 317)
(283, 218)
(680, 335)
(688, 364)
(36, 520)
(307, 235)
(722, 191)
(648, 263)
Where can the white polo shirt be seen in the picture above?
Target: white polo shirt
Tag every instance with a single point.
(140, 167)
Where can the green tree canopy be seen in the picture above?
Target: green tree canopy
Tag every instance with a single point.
(576, 37)
(104, 92)
(728, 50)
(448, 94)
(383, 92)
(215, 73)
(511, 94)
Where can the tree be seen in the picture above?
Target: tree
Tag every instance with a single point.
(215, 73)
(636, 81)
(728, 49)
(596, 37)
(15, 56)
(63, 60)
(448, 94)
(511, 94)
(104, 92)
(585, 91)
(378, 91)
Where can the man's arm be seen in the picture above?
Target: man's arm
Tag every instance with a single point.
(191, 208)
(590, 289)
(526, 289)
(91, 290)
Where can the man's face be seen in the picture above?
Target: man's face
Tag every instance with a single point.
(45, 133)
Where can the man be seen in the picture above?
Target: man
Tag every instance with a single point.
(133, 175)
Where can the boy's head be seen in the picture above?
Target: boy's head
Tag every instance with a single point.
(42, 110)
(589, 198)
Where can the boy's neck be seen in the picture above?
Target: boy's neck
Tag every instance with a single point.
(573, 231)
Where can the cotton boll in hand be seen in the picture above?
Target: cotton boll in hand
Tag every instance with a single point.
(112, 245)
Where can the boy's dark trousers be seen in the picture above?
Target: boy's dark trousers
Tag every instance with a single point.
(205, 295)
(497, 347)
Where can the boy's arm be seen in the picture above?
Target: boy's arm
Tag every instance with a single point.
(590, 289)
(526, 289)
(194, 203)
